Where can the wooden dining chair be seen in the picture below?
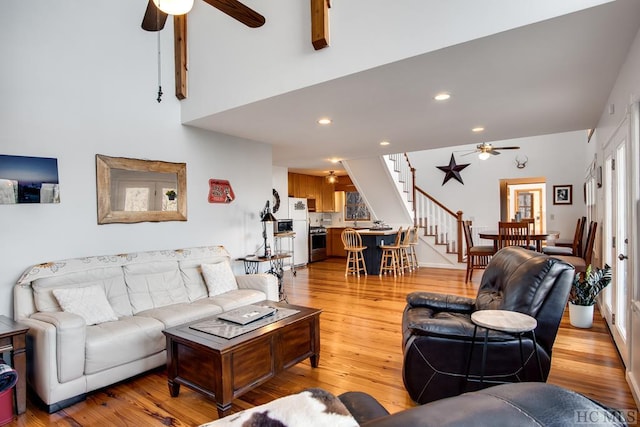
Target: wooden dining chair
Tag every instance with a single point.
(580, 263)
(355, 252)
(513, 234)
(391, 258)
(531, 222)
(478, 257)
(575, 244)
(575, 249)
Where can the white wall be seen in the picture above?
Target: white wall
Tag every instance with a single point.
(560, 158)
(80, 78)
(233, 65)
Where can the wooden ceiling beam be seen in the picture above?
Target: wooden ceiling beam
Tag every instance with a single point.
(180, 52)
(320, 23)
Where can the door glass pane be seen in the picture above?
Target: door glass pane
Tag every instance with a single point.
(620, 271)
(608, 227)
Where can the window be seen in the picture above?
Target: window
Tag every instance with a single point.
(355, 208)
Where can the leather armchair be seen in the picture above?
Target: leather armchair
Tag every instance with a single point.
(438, 331)
(522, 404)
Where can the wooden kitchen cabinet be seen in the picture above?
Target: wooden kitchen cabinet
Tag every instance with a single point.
(312, 187)
(335, 247)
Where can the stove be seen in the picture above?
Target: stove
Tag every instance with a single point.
(317, 243)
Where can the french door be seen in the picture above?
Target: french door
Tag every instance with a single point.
(616, 233)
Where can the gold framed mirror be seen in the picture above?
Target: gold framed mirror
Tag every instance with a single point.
(134, 190)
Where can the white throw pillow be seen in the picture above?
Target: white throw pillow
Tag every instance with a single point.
(219, 278)
(90, 302)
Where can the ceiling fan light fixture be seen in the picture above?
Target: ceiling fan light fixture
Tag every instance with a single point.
(331, 178)
(484, 155)
(174, 7)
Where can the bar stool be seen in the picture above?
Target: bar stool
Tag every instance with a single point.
(511, 322)
(355, 257)
(405, 247)
(391, 258)
(413, 243)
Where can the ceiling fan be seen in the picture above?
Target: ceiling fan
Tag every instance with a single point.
(155, 18)
(486, 150)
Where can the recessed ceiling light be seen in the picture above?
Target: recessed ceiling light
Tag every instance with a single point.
(324, 121)
(334, 160)
(384, 143)
(477, 129)
(442, 96)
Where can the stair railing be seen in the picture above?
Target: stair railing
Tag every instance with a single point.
(439, 221)
(428, 213)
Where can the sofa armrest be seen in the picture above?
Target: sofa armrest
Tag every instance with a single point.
(441, 302)
(362, 406)
(264, 282)
(69, 345)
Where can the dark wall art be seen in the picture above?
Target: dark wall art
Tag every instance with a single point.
(452, 170)
(28, 180)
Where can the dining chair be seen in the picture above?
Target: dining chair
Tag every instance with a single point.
(575, 249)
(531, 222)
(355, 252)
(513, 234)
(576, 243)
(580, 263)
(478, 257)
(391, 258)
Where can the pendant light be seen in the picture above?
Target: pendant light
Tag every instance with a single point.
(331, 178)
(174, 7)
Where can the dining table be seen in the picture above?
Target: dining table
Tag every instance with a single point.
(537, 237)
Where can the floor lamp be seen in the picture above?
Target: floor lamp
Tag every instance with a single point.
(265, 217)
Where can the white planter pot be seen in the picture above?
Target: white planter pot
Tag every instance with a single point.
(581, 316)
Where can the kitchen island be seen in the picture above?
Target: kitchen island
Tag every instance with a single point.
(372, 239)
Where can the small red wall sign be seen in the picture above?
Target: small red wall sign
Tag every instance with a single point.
(220, 191)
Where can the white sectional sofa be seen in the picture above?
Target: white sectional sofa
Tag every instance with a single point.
(98, 320)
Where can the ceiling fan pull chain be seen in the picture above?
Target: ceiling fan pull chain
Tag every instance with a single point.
(159, 98)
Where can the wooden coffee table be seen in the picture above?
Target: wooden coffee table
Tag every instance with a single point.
(224, 369)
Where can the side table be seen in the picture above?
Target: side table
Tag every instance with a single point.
(511, 322)
(13, 340)
(276, 267)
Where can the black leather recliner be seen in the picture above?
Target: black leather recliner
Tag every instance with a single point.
(437, 328)
(521, 404)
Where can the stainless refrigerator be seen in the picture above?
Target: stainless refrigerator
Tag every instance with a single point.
(299, 213)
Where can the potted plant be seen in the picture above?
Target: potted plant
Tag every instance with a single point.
(583, 294)
(171, 194)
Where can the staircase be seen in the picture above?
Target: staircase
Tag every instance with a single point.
(441, 242)
(387, 186)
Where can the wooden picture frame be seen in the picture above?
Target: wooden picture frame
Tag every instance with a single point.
(563, 194)
(110, 171)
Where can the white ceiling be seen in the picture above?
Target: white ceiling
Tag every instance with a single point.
(550, 77)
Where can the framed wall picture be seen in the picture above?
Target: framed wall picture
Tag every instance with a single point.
(562, 194)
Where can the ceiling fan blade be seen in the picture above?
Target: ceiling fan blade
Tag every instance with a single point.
(238, 11)
(154, 19)
(493, 152)
(506, 148)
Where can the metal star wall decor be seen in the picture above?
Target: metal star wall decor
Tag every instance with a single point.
(452, 170)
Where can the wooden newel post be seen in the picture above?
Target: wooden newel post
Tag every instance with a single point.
(413, 195)
(459, 238)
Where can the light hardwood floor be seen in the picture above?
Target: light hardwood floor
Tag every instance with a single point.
(360, 350)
